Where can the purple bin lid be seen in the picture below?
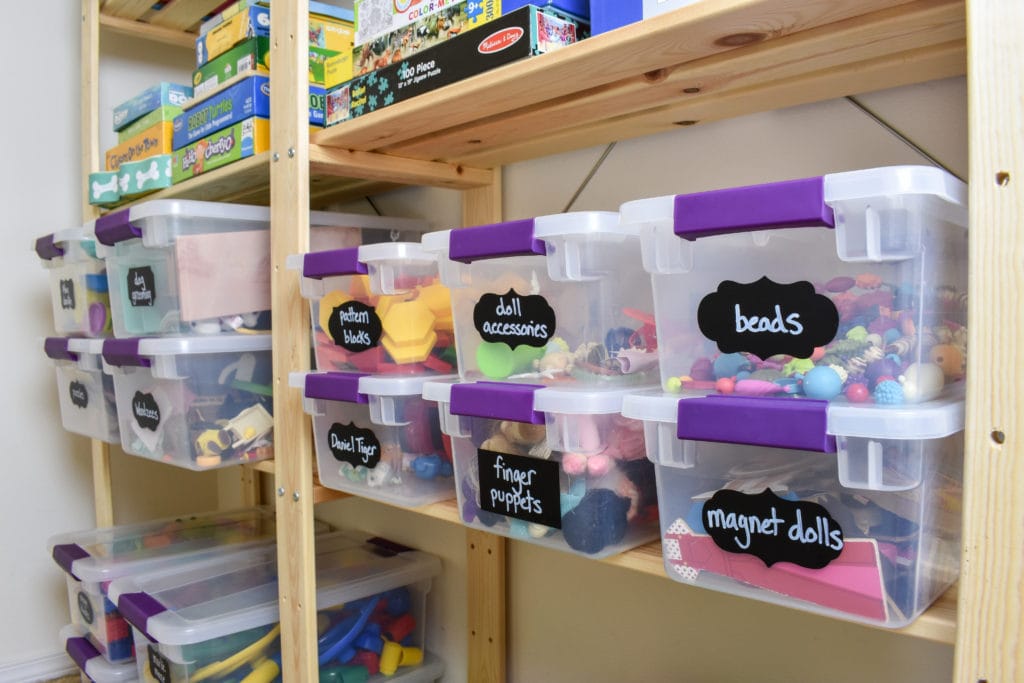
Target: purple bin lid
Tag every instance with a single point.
(512, 238)
(496, 401)
(116, 227)
(47, 249)
(57, 349)
(137, 608)
(122, 352)
(794, 423)
(335, 386)
(321, 264)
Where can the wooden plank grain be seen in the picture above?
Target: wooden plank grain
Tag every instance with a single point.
(183, 14)
(157, 34)
(127, 9)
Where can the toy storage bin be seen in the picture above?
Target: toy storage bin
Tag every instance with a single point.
(554, 299)
(85, 392)
(78, 283)
(849, 286)
(377, 437)
(865, 526)
(194, 402)
(219, 621)
(559, 467)
(92, 558)
(190, 267)
(378, 308)
(92, 664)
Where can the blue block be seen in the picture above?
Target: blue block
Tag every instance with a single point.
(606, 15)
(249, 97)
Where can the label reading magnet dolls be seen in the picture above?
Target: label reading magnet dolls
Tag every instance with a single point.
(773, 528)
(354, 326)
(766, 318)
(514, 319)
(357, 446)
(141, 286)
(520, 487)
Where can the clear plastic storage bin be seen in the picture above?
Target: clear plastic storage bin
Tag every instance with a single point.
(92, 558)
(865, 526)
(194, 402)
(559, 467)
(554, 299)
(219, 621)
(78, 283)
(849, 286)
(189, 267)
(377, 437)
(93, 665)
(378, 308)
(85, 392)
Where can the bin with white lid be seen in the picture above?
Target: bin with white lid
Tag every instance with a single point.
(197, 402)
(377, 437)
(78, 283)
(553, 299)
(846, 287)
(93, 665)
(847, 510)
(219, 621)
(85, 392)
(554, 466)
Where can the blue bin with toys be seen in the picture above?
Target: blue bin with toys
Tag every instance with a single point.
(559, 299)
(558, 467)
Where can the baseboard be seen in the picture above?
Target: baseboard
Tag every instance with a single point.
(45, 668)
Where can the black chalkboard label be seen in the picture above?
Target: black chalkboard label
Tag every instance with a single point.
(521, 487)
(146, 411)
(67, 294)
(79, 394)
(141, 286)
(85, 607)
(773, 528)
(159, 667)
(514, 319)
(766, 318)
(354, 326)
(354, 445)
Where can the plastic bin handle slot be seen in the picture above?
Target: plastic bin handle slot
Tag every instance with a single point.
(81, 651)
(47, 249)
(335, 386)
(66, 554)
(787, 204)
(323, 264)
(57, 349)
(496, 401)
(513, 238)
(116, 227)
(137, 608)
(798, 424)
(122, 352)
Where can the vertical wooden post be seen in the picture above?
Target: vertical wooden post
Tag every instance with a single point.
(103, 495)
(485, 553)
(289, 234)
(990, 635)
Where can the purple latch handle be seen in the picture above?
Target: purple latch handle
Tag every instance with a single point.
(138, 608)
(794, 423)
(321, 264)
(513, 238)
(57, 349)
(335, 386)
(787, 204)
(47, 249)
(496, 401)
(81, 651)
(116, 227)
(66, 554)
(122, 352)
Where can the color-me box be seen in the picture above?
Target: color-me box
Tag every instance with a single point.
(559, 467)
(555, 299)
(377, 437)
(846, 287)
(78, 282)
(85, 392)
(867, 531)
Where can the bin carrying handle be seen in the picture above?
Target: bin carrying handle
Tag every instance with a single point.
(786, 204)
(512, 238)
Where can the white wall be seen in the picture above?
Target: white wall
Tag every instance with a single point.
(570, 619)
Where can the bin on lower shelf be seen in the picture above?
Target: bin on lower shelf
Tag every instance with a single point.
(557, 467)
(219, 621)
(377, 437)
(194, 402)
(92, 558)
(78, 283)
(864, 527)
(93, 665)
(85, 392)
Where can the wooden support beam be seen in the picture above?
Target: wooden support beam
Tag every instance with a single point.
(183, 14)
(128, 9)
(159, 34)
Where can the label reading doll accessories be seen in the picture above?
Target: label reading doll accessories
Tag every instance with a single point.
(514, 319)
(520, 487)
(357, 446)
(85, 608)
(146, 411)
(354, 326)
(141, 286)
(766, 318)
(773, 528)
(79, 394)
(67, 294)
(159, 667)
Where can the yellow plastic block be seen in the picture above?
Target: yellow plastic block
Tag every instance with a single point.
(328, 303)
(439, 300)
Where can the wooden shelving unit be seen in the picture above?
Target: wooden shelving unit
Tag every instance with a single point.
(713, 60)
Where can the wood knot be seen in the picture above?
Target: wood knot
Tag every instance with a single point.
(740, 39)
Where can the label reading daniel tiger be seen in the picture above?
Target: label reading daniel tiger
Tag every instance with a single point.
(357, 446)
(354, 326)
(514, 319)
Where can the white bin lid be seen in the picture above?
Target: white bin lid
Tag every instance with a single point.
(504, 400)
(130, 351)
(355, 387)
